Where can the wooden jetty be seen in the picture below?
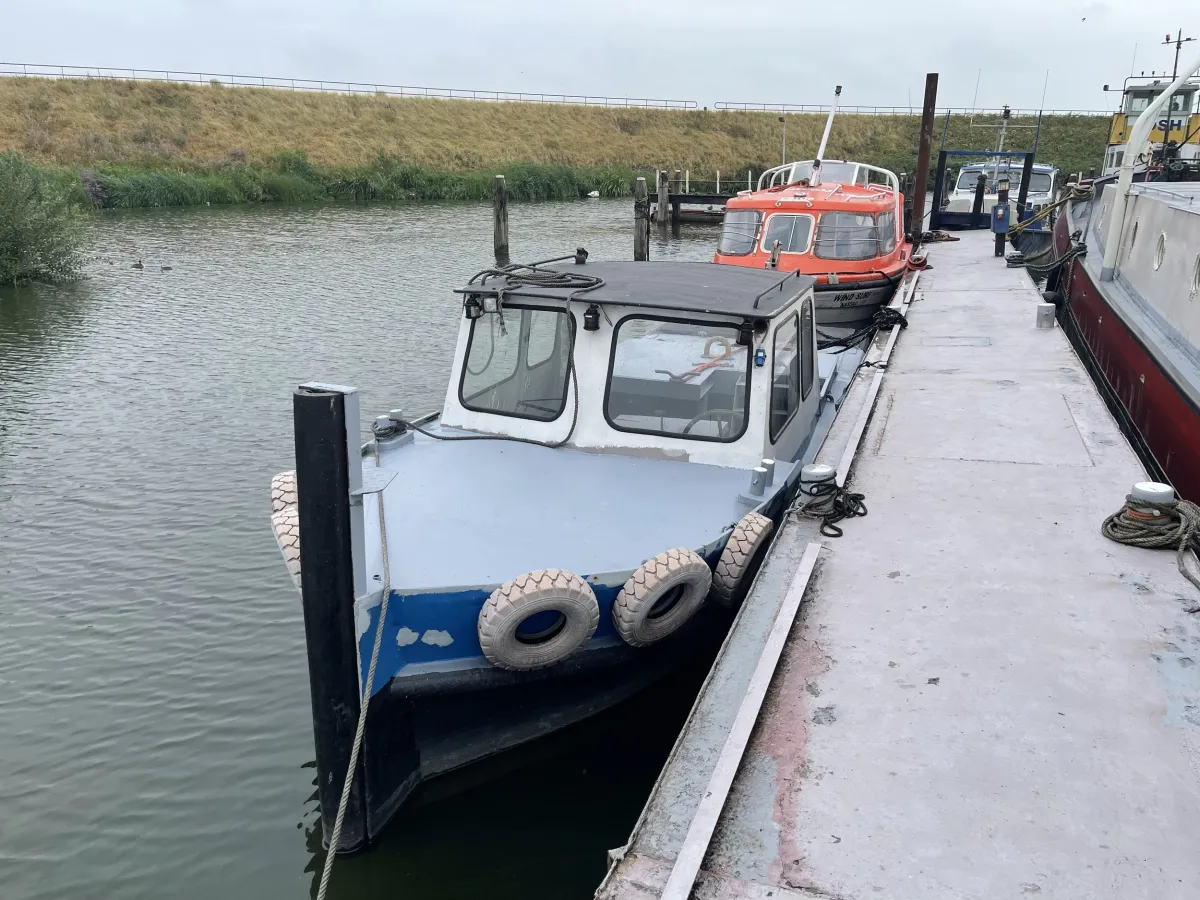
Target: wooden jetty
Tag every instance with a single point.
(977, 695)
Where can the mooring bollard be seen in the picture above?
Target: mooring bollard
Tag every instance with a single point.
(500, 219)
(641, 221)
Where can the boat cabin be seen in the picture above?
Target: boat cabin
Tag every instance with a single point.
(1178, 126)
(847, 235)
(682, 360)
(1043, 185)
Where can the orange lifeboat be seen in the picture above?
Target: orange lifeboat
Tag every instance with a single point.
(841, 222)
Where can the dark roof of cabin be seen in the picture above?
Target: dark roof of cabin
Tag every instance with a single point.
(697, 287)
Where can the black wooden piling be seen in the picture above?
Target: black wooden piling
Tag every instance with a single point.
(641, 222)
(939, 184)
(664, 194)
(1002, 201)
(923, 153)
(328, 463)
(327, 590)
(676, 189)
(500, 219)
(977, 205)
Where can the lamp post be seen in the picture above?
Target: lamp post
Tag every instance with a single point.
(783, 120)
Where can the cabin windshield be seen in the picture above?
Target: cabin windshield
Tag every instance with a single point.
(1138, 102)
(846, 235)
(517, 363)
(792, 232)
(840, 172)
(679, 379)
(1039, 182)
(739, 231)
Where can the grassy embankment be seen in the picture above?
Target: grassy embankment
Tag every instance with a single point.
(131, 144)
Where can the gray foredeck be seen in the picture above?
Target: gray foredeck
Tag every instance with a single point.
(469, 513)
(983, 697)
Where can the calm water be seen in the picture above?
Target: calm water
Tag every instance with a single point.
(155, 733)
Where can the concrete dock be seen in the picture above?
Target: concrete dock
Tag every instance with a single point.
(980, 696)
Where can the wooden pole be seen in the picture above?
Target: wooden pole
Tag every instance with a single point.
(641, 221)
(677, 189)
(664, 189)
(923, 152)
(500, 219)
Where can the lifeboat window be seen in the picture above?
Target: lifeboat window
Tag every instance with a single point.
(846, 235)
(739, 231)
(793, 233)
(887, 232)
(785, 378)
(678, 378)
(809, 374)
(517, 363)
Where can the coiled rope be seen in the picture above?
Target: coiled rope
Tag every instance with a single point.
(831, 504)
(1018, 260)
(1178, 528)
(364, 702)
(885, 317)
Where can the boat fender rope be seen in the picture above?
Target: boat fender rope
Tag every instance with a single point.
(831, 504)
(364, 703)
(1178, 528)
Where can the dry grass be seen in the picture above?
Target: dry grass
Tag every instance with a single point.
(190, 127)
(102, 121)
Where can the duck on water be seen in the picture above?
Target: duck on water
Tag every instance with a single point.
(618, 442)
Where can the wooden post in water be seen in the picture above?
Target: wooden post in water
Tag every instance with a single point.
(641, 221)
(676, 189)
(500, 219)
(923, 152)
(664, 189)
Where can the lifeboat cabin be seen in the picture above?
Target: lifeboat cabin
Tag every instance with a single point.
(617, 445)
(840, 222)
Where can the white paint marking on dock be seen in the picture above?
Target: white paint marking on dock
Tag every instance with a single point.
(695, 845)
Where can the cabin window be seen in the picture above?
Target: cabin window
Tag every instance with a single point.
(847, 235)
(793, 233)
(1039, 182)
(809, 356)
(739, 231)
(785, 378)
(887, 232)
(678, 378)
(518, 363)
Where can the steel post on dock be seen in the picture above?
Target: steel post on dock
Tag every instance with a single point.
(641, 221)
(329, 488)
(500, 219)
(1001, 200)
(923, 152)
(664, 194)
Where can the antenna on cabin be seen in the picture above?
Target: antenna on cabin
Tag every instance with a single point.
(837, 93)
(816, 167)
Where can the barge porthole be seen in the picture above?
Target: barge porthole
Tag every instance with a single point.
(1160, 251)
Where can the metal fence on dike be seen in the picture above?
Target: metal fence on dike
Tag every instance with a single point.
(41, 70)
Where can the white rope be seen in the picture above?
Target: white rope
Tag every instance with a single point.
(363, 704)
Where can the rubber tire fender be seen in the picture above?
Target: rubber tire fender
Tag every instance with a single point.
(285, 522)
(648, 584)
(739, 560)
(545, 590)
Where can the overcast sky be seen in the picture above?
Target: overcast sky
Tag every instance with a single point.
(714, 50)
